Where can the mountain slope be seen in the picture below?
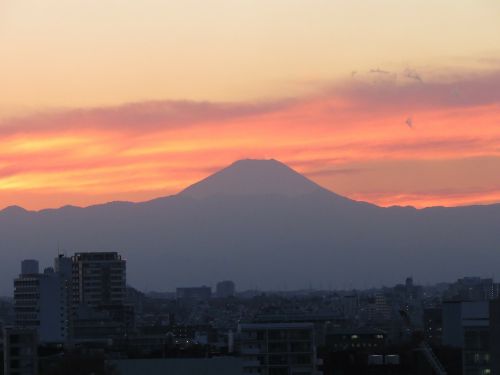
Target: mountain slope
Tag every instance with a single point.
(253, 177)
(260, 237)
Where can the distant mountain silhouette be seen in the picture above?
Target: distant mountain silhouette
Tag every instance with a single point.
(253, 177)
(262, 225)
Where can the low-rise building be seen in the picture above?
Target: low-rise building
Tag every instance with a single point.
(194, 294)
(278, 348)
(355, 339)
(225, 289)
(20, 351)
(474, 326)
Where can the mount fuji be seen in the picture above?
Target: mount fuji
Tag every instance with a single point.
(263, 225)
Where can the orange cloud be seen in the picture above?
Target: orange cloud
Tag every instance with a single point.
(351, 138)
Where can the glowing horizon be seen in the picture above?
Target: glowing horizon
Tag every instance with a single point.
(133, 101)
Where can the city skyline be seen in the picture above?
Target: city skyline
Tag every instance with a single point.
(274, 187)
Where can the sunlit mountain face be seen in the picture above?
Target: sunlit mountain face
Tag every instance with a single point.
(101, 101)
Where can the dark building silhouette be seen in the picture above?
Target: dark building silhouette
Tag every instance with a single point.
(433, 325)
(194, 294)
(278, 348)
(99, 294)
(99, 279)
(81, 298)
(355, 338)
(20, 351)
(225, 289)
(474, 327)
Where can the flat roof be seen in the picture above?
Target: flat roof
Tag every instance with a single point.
(355, 331)
(180, 366)
(276, 325)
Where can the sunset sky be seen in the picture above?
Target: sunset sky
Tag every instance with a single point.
(132, 100)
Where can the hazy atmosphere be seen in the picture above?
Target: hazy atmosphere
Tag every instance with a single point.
(236, 187)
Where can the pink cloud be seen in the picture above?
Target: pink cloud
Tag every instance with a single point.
(343, 137)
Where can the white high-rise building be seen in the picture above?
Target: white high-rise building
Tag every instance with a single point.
(41, 302)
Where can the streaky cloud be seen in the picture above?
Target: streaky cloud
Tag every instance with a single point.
(140, 150)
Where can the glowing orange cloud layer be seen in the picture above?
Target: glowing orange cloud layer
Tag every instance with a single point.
(351, 138)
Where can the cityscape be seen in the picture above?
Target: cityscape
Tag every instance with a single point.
(80, 316)
(250, 187)
(81, 313)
